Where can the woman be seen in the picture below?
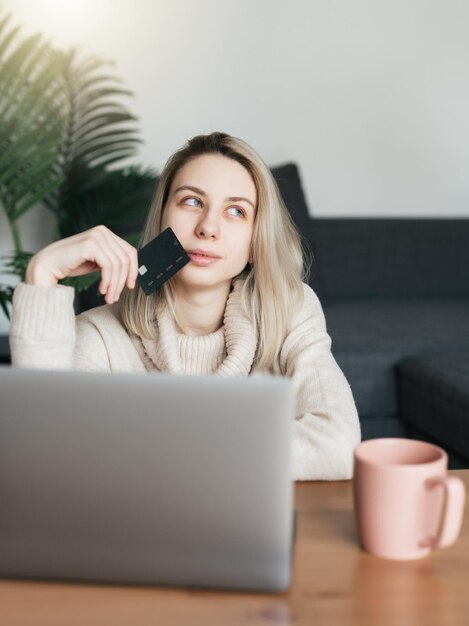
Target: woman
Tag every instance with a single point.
(239, 307)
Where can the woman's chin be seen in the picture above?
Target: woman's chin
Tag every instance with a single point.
(198, 279)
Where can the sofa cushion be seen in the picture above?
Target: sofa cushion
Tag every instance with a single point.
(382, 426)
(370, 337)
(434, 397)
(389, 257)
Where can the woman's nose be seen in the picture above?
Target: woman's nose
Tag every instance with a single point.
(208, 226)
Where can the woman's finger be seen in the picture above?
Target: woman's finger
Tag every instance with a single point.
(104, 259)
(99, 250)
(121, 269)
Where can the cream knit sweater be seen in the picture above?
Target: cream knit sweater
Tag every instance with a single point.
(46, 334)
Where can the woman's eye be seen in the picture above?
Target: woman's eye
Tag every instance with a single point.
(195, 200)
(240, 211)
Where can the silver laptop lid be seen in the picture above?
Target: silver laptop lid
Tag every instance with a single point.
(134, 478)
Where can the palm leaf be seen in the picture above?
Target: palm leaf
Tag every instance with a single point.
(16, 263)
(81, 283)
(33, 198)
(85, 90)
(30, 122)
(6, 297)
(97, 122)
(5, 40)
(99, 131)
(118, 199)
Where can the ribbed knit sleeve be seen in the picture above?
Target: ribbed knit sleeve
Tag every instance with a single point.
(42, 332)
(326, 428)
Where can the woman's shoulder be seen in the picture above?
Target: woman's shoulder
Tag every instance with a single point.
(310, 295)
(310, 310)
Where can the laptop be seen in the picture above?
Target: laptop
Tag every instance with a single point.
(152, 478)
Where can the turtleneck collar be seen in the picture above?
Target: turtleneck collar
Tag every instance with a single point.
(229, 351)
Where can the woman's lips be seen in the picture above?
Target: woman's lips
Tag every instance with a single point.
(200, 259)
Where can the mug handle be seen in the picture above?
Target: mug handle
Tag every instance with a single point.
(453, 513)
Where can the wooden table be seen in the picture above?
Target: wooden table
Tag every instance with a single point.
(334, 584)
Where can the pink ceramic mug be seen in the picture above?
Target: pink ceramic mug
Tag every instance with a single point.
(405, 504)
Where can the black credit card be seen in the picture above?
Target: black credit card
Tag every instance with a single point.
(159, 260)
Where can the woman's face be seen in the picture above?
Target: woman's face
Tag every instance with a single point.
(212, 206)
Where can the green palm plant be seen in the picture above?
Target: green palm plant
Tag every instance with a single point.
(88, 133)
(30, 129)
(99, 133)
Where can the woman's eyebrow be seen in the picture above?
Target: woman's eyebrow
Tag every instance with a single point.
(202, 193)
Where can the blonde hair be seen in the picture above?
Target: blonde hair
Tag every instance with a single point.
(272, 291)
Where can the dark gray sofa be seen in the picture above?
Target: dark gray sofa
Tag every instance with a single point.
(395, 293)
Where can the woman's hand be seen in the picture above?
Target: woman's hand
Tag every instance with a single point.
(95, 249)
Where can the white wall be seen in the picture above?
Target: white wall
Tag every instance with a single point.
(370, 98)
